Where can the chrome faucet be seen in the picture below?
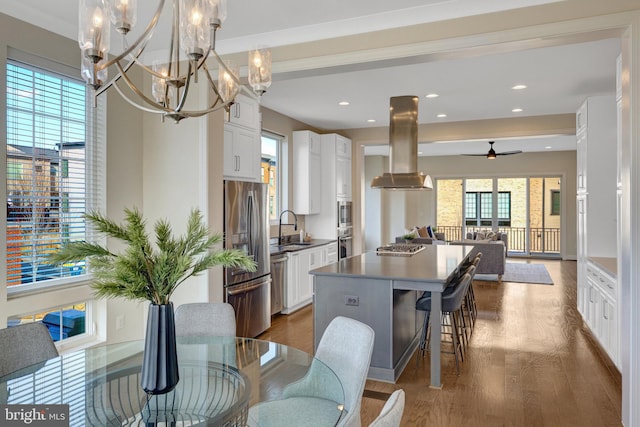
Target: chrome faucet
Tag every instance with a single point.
(295, 225)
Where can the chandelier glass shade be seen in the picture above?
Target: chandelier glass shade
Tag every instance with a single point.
(193, 38)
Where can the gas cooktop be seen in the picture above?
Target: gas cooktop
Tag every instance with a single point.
(400, 249)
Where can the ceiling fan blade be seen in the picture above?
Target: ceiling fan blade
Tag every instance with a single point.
(483, 155)
(507, 153)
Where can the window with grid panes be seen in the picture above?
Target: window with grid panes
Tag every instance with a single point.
(53, 171)
(479, 208)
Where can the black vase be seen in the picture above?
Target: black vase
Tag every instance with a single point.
(160, 360)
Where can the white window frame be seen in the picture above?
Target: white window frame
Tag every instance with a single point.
(281, 171)
(95, 165)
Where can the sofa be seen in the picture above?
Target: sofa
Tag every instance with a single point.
(494, 255)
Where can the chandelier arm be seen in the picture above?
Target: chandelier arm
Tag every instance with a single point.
(115, 78)
(185, 90)
(138, 106)
(198, 113)
(138, 92)
(147, 33)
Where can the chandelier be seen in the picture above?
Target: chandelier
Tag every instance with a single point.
(193, 35)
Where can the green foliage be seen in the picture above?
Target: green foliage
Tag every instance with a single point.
(143, 271)
(409, 236)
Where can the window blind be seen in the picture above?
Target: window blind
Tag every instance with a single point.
(52, 170)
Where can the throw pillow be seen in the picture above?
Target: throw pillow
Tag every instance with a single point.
(430, 232)
(491, 235)
(423, 231)
(479, 235)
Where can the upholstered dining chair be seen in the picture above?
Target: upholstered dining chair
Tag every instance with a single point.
(345, 347)
(391, 413)
(25, 345)
(204, 319)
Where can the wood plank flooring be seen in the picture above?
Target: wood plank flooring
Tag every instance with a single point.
(531, 362)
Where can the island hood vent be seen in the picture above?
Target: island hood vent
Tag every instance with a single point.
(403, 148)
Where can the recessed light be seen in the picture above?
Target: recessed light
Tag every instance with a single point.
(441, 116)
(432, 95)
(548, 147)
(343, 103)
(419, 152)
(519, 87)
(517, 110)
(371, 120)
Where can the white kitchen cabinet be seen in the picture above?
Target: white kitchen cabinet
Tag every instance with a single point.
(245, 112)
(601, 313)
(299, 291)
(307, 173)
(343, 178)
(598, 189)
(330, 253)
(242, 153)
(336, 185)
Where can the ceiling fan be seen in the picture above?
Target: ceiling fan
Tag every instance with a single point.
(492, 153)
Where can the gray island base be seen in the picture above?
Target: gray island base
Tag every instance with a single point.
(381, 291)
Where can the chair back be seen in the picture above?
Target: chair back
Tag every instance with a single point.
(25, 345)
(346, 347)
(453, 301)
(205, 319)
(391, 413)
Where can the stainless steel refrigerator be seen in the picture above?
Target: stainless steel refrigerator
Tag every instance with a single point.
(246, 227)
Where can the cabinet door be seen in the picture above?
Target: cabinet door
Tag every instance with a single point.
(304, 286)
(241, 153)
(245, 112)
(330, 254)
(343, 147)
(306, 173)
(291, 292)
(343, 178)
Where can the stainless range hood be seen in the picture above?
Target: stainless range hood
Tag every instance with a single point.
(403, 148)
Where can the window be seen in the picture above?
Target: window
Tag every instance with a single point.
(62, 322)
(271, 146)
(479, 208)
(53, 171)
(555, 202)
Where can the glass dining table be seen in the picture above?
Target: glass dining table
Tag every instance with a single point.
(220, 380)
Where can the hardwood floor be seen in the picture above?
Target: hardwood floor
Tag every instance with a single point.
(530, 362)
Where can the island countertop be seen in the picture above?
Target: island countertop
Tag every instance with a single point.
(436, 262)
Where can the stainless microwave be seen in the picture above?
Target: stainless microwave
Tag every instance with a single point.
(344, 214)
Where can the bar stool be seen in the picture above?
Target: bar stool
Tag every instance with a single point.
(452, 300)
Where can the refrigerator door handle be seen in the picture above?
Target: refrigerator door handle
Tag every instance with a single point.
(244, 289)
(250, 215)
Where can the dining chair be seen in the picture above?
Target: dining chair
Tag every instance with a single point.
(391, 413)
(25, 345)
(345, 347)
(202, 319)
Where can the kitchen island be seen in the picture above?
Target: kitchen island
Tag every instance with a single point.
(381, 291)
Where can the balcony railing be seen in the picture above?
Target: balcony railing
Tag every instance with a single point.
(541, 240)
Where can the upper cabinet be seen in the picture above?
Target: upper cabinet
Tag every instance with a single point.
(245, 112)
(343, 167)
(307, 170)
(242, 146)
(336, 186)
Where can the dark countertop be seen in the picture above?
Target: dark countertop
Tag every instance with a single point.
(296, 246)
(434, 263)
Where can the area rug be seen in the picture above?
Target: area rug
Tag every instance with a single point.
(521, 273)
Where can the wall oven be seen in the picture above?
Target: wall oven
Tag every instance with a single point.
(344, 214)
(345, 243)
